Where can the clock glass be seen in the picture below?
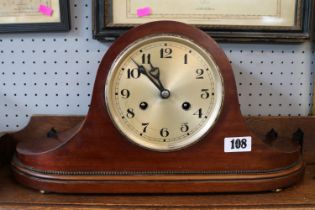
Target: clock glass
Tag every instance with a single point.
(164, 92)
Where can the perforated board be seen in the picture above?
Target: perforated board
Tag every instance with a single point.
(54, 73)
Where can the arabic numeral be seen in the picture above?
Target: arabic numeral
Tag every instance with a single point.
(145, 126)
(130, 113)
(133, 73)
(198, 113)
(125, 93)
(166, 53)
(146, 58)
(164, 132)
(205, 94)
(186, 59)
(238, 143)
(184, 128)
(200, 73)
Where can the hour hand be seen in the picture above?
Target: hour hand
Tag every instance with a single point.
(155, 73)
(143, 71)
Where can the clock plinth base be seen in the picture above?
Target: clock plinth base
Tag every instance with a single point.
(159, 183)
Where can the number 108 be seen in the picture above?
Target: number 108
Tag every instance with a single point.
(238, 143)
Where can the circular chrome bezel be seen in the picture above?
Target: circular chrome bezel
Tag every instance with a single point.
(162, 146)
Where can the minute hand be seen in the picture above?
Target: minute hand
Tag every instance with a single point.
(143, 71)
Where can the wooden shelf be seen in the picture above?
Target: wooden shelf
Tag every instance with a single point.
(15, 196)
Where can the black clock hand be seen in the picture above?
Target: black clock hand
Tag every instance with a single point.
(143, 71)
(155, 73)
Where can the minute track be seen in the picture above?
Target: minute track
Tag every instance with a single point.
(166, 110)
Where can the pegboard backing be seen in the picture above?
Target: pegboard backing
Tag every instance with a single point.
(54, 73)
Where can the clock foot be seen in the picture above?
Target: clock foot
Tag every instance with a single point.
(277, 190)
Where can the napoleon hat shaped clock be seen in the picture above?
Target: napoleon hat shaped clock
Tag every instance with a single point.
(164, 118)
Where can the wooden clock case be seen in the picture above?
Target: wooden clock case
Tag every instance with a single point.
(94, 157)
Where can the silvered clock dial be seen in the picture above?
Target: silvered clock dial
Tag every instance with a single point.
(164, 92)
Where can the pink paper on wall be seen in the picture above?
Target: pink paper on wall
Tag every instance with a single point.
(145, 11)
(45, 10)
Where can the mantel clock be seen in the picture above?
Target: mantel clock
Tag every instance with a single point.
(164, 118)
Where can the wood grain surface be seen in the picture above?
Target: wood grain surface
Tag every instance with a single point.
(301, 196)
(39, 126)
